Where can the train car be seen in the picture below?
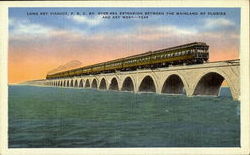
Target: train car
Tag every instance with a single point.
(192, 53)
(112, 66)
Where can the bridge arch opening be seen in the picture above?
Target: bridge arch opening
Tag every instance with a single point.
(103, 84)
(64, 83)
(76, 83)
(87, 84)
(209, 84)
(81, 83)
(225, 90)
(114, 84)
(94, 84)
(128, 85)
(72, 83)
(173, 85)
(147, 85)
(68, 84)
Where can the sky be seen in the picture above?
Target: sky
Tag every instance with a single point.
(41, 39)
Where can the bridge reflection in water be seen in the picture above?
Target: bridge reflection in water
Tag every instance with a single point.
(201, 79)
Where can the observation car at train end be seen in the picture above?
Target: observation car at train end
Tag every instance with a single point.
(192, 53)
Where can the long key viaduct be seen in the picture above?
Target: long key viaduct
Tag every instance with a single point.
(192, 80)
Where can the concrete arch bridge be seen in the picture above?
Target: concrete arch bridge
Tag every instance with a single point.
(192, 80)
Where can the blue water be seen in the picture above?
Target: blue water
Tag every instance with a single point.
(65, 117)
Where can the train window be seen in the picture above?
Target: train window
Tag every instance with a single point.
(201, 51)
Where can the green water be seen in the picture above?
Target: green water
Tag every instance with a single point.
(65, 117)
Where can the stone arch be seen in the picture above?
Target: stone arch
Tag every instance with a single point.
(68, 83)
(173, 85)
(81, 83)
(76, 83)
(209, 84)
(114, 84)
(94, 84)
(128, 84)
(87, 83)
(147, 84)
(103, 84)
(65, 83)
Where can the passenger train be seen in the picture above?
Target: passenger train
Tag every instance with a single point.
(192, 53)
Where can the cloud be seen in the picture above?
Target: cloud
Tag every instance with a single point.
(211, 23)
(156, 32)
(97, 20)
(26, 30)
(20, 27)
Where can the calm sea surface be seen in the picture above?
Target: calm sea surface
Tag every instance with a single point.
(66, 117)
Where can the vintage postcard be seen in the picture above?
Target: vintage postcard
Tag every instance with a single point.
(125, 78)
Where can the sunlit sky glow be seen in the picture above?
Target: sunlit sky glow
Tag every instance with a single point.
(38, 44)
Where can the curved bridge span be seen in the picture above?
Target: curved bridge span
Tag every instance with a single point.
(192, 80)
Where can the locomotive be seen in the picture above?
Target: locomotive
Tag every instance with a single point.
(192, 53)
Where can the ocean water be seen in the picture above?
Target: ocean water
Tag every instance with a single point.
(84, 118)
